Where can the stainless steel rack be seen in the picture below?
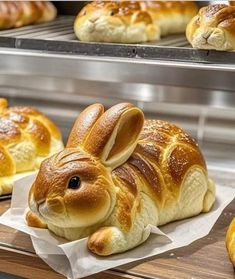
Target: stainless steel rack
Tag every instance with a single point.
(58, 36)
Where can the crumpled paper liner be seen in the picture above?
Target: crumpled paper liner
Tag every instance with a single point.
(73, 259)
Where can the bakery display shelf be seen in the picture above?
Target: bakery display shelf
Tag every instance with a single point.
(58, 37)
(5, 197)
(170, 62)
(36, 64)
(18, 256)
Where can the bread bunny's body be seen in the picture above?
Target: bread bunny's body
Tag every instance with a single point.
(131, 173)
(26, 138)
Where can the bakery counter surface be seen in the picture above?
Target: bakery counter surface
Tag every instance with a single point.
(204, 259)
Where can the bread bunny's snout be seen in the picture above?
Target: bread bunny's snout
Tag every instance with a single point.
(72, 189)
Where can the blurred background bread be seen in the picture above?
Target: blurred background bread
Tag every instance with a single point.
(27, 137)
(20, 13)
(132, 22)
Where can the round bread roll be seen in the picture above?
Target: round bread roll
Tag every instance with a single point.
(132, 22)
(27, 137)
(213, 28)
(118, 174)
(230, 241)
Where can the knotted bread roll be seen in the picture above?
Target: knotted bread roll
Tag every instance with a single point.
(213, 28)
(132, 21)
(26, 138)
(20, 13)
(117, 174)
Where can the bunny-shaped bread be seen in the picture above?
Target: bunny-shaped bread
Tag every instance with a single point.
(230, 241)
(213, 28)
(26, 138)
(117, 174)
(132, 21)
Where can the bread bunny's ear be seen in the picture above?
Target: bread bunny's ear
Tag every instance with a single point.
(115, 134)
(83, 125)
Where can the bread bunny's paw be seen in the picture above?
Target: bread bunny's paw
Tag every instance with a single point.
(34, 221)
(107, 241)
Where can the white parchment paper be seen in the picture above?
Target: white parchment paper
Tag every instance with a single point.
(73, 259)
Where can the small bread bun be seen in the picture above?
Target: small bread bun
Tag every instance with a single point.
(230, 241)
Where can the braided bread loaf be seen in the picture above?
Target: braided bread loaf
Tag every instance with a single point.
(230, 241)
(132, 22)
(26, 138)
(116, 175)
(20, 13)
(213, 28)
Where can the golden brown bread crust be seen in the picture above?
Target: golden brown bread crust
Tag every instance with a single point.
(132, 21)
(230, 241)
(9, 131)
(25, 135)
(213, 28)
(20, 13)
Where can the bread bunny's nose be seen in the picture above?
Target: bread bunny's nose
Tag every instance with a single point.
(40, 192)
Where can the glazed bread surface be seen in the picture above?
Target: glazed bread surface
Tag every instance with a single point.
(117, 174)
(132, 22)
(230, 241)
(213, 28)
(26, 138)
(20, 13)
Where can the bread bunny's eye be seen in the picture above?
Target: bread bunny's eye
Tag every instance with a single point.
(74, 182)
